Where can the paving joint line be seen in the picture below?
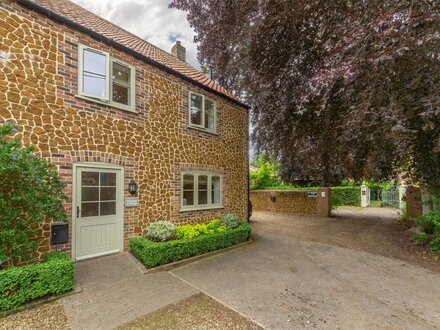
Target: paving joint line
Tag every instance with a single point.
(216, 299)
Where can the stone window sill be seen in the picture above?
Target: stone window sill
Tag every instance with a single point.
(111, 105)
(200, 208)
(203, 130)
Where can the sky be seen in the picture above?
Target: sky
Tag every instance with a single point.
(151, 20)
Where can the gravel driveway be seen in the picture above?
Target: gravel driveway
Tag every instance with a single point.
(285, 280)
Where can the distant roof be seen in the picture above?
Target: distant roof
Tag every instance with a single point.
(108, 30)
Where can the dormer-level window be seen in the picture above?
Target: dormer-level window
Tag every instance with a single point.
(105, 79)
(202, 112)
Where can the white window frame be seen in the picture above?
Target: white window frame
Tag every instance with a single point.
(196, 206)
(202, 127)
(108, 100)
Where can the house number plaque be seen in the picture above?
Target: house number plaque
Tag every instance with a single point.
(131, 201)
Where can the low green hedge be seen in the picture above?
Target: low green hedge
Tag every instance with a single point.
(350, 196)
(153, 254)
(19, 285)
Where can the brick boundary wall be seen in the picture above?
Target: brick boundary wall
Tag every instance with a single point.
(302, 202)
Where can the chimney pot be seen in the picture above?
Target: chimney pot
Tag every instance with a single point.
(179, 51)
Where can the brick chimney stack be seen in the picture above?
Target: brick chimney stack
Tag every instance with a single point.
(179, 51)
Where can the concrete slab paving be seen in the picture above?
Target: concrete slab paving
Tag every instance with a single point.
(287, 283)
(115, 292)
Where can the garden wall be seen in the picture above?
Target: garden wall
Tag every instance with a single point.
(304, 202)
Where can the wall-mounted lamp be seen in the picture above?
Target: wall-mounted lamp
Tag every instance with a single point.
(132, 187)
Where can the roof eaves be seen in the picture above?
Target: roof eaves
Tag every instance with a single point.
(64, 20)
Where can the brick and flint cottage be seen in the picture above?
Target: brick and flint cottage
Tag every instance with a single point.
(108, 108)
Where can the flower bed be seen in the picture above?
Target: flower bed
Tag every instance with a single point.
(19, 285)
(153, 254)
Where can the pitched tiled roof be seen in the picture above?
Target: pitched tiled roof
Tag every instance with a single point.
(90, 21)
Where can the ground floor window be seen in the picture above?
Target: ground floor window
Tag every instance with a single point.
(200, 190)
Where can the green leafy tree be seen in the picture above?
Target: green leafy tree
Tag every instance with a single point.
(266, 175)
(30, 192)
(338, 89)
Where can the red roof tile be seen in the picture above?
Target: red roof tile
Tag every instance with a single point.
(111, 31)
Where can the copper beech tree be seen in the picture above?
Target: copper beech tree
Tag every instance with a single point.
(338, 88)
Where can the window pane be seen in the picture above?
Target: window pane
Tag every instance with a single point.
(196, 109)
(209, 122)
(94, 62)
(89, 178)
(215, 190)
(108, 193)
(121, 94)
(89, 209)
(89, 194)
(203, 182)
(209, 114)
(121, 74)
(108, 208)
(108, 179)
(94, 85)
(188, 198)
(203, 197)
(188, 182)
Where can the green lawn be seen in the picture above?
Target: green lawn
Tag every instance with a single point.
(375, 203)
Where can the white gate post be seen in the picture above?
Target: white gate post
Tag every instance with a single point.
(402, 192)
(364, 196)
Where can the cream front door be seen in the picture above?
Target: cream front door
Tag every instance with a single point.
(98, 211)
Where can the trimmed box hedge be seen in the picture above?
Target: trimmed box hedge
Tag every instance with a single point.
(22, 284)
(349, 196)
(153, 254)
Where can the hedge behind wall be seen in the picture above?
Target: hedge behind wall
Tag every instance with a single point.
(349, 196)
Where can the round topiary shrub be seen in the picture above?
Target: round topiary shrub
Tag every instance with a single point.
(230, 220)
(161, 231)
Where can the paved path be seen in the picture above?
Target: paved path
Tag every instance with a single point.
(371, 230)
(115, 292)
(284, 282)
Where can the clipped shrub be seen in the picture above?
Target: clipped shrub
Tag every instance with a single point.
(186, 232)
(203, 229)
(191, 231)
(420, 238)
(153, 254)
(19, 285)
(348, 196)
(161, 231)
(435, 245)
(214, 224)
(230, 220)
(430, 222)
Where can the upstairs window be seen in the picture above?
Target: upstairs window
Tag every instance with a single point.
(200, 190)
(202, 112)
(105, 79)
